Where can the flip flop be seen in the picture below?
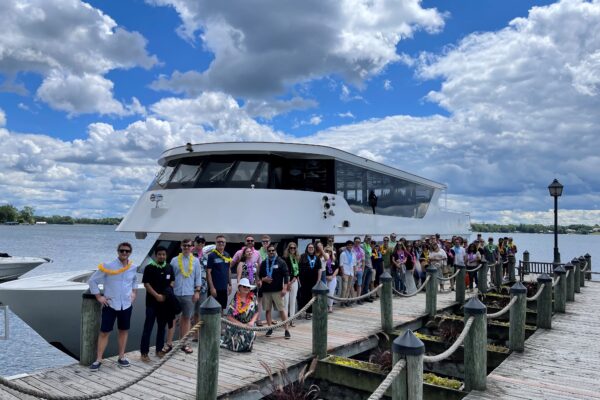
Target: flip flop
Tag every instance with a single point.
(186, 349)
(167, 348)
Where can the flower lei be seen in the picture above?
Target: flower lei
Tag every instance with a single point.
(217, 252)
(114, 271)
(240, 308)
(157, 265)
(250, 269)
(190, 265)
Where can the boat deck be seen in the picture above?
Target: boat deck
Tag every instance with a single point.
(561, 363)
(241, 375)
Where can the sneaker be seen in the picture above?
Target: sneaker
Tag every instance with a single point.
(370, 300)
(145, 358)
(160, 354)
(269, 333)
(95, 366)
(287, 334)
(123, 362)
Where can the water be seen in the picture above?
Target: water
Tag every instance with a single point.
(76, 247)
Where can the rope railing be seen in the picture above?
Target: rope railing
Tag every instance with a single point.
(363, 296)
(459, 340)
(396, 292)
(43, 395)
(567, 274)
(538, 293)
(504, 310)
(387, 382)
(270, 327)
(454, 275)
(476, 268)
(555, 281)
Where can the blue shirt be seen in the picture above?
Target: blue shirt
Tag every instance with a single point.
(219, 270)
(185, 286)
(117, 288)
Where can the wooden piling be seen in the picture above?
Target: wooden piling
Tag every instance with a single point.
(431, 295)
(588, 273)
(560, 290)
(577, 274)
(409, 384)
(525, 268)
(387, 322)
(476, 346)
(511, 268)
(460, 284)
(544, 303)
(319, 320)
(583, 262)
(208, 350)
(570, 282)
(482, 277)
(516, 333)
(91, 311)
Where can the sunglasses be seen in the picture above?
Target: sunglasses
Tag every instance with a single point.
(221, 242)
(270, 251)
(265, 241)
(186, 245)
(244, 287)
(249, 241)
(124, 251)
(292, 248)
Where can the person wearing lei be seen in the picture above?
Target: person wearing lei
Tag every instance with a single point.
(291, 257)
(218, 272)
(242, 311)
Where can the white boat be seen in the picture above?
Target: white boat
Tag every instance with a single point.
(14, 267)
(289, 191)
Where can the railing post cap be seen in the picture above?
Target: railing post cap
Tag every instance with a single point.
(575, 261)
(560, 270)
(408, 344)
(587, 255)
(385, 277)
(431, 270)
(568, 266)
(544, 278)
(581, 258)
(320, 288)
(526, 252)
(475, 307)
(518, 288)
(210, 306)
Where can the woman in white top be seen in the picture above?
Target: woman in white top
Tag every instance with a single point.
(292, 258)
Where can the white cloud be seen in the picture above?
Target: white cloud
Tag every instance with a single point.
(269, 109)
(346, 94)
(387, 85)
(260, 51)
(347, 114)
(72, 46)
(2, 118)
(313, 120)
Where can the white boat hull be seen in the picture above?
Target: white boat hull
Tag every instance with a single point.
(13, 267)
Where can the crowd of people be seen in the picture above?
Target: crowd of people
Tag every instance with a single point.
(256, 280)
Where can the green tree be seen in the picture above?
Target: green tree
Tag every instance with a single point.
(8, 213)
(26, 215)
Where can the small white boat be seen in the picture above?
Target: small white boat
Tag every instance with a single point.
(13, 267)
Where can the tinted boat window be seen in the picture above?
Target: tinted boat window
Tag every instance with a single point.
(164, 174)
(187, 172)
(244, 171)
(215, 172)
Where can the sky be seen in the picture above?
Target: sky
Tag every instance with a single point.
(493, 98)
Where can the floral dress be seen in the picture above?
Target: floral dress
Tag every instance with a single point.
(236, 339)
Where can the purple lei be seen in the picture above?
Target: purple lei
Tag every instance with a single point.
(250, 269)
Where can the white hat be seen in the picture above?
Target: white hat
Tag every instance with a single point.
(245, 282)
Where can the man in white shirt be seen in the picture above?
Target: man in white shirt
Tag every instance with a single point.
(348, 265)
(437, 258)
(119, 278)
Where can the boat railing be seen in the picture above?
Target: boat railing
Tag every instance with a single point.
(4, 336)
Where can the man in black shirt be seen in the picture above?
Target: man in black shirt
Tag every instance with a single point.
(274, 277)
(158, 279)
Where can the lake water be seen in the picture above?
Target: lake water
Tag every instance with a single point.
(76, 247)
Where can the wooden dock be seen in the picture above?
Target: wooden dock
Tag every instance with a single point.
(241, 375)
(561, 363)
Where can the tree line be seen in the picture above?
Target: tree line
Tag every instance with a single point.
(26, 215)
(535, 228)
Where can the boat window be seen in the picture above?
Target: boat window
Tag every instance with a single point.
(245, 171)
(262, 175)
(215, 173)
(187, 172)
(162, 177)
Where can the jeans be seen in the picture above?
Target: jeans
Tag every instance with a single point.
(151, 316)
(398, 280)
(367, 276)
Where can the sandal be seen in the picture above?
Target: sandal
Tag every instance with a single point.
(187, 349)
(167, 348)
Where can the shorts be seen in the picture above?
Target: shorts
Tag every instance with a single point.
(222, 298)
(359, 277)
(199, 303)
(109, 315)
(270, 298)
(446, 270)
(187, 306)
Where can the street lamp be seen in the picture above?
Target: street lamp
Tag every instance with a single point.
(556, 189)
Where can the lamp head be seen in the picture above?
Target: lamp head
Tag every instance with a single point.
(555, 188)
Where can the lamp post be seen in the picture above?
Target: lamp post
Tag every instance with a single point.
(556, 189)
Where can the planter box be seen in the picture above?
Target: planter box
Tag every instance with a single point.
(366, 377)
(498, 330)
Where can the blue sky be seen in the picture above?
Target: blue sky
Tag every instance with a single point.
(493, 98)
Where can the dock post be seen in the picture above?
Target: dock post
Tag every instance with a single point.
(525, 268)
(91, 311)
(499, 274)
(511, 268)
(476, 346)
(570, 282)
(482, 277)
(544, 303)
(582, 265)
(387, 318)
(459, 295)
(576, 274)
(560, 290)
(409, 383)
(588, 260)
(208, 350)
(431, 295)
(319, 320)
(516, 332)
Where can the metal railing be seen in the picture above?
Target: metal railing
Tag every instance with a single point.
(536, 267)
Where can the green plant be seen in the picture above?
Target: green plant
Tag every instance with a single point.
(348, 362)
(449, 329)
(433, 379)
(383, 358)
(287, 389)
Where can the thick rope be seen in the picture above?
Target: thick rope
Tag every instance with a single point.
(475, 269)
(459, 340)
(270, 327)
(568, 272)
(450, 277)
(107, 392)
(555, 282)
(364, 296)
(504, 310)
(387, 382)
(414, 293)
(538, 293)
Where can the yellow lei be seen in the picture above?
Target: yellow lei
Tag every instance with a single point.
(226, 259)
(190, 265)
(114, 271)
